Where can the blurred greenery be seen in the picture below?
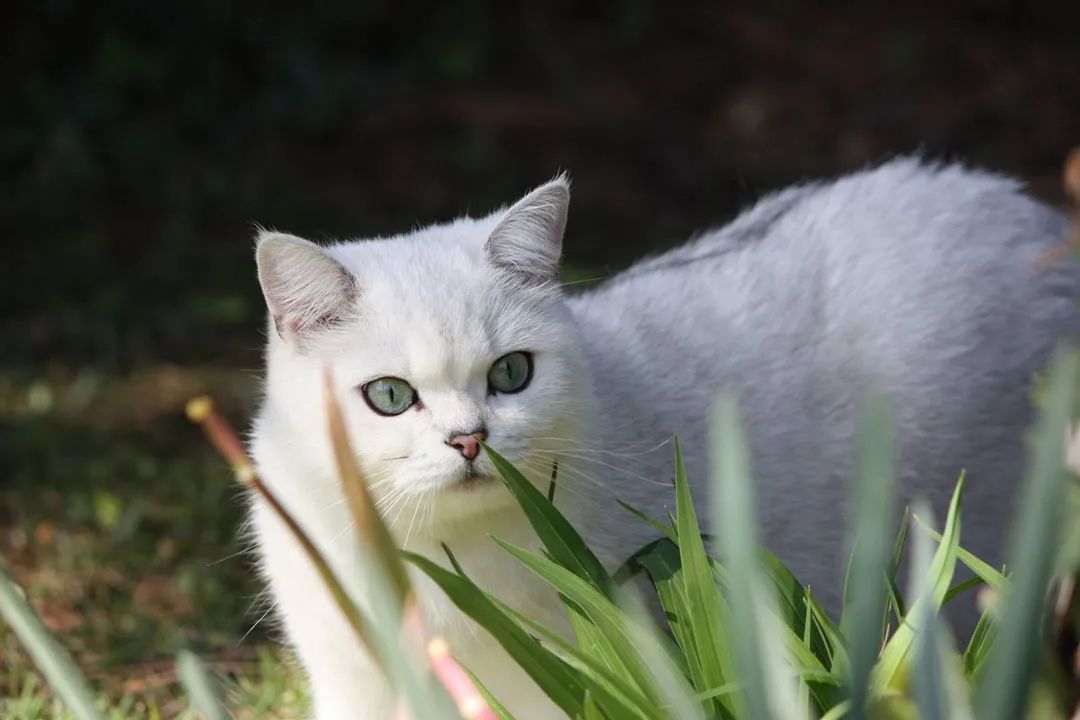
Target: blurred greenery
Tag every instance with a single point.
(138, 144)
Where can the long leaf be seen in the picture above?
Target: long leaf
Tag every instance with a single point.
(200, 686)
(49, 655)
(368, 524)
(592, 669)
(1033, 546)
(982, 639)
(668, 669)
(498, 708)
(604, 614)
(995, 579)
(707, 611)
(554, 677)
(755, 630)
(941, 691)
(862, 620)
(560, 539)
(890, 668)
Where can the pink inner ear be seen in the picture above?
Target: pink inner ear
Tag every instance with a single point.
(298, 330)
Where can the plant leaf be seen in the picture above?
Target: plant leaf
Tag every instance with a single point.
(756, 631)
(200, 686)
(862, 618)
(706, 610)
(560, 539)
(1033, 546)
(554, 677)
(894, 657)
(49, 655)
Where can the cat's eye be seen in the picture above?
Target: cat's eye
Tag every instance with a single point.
(511, 373)
(388, 395)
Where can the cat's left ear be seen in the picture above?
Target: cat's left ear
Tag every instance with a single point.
(528, 240)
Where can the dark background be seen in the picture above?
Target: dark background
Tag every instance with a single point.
(140, 142)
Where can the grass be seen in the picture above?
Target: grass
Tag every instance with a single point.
(121, 525)
(743, 638)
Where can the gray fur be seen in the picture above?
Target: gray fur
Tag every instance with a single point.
(925, 282)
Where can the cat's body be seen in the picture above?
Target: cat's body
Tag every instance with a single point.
(928, 283)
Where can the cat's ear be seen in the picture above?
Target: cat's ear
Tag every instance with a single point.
(527, 242)
(306, 290)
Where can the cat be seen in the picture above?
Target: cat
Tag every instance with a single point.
(924, 281)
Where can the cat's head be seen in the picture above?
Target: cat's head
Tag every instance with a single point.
(436, 338)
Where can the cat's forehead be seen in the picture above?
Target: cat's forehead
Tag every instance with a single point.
(432, 297)
(436, 273)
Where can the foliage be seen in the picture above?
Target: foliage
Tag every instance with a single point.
(743, 639)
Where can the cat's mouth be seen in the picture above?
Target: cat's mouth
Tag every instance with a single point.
(470, 478)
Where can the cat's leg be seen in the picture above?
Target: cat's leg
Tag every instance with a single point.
(345, 684)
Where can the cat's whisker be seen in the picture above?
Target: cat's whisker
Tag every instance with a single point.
(348, 526)
(614, 468)
(408, 533)
(543, 469)
(230, 556)
(256, 624)
(626, 449)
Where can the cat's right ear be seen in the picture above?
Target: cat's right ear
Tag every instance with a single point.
(306, 290)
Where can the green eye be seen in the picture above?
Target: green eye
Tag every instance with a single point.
(389, 395)
(511, 373)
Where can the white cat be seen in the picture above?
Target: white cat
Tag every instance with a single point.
(923, 281)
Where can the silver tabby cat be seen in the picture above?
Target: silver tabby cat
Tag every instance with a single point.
(927, 282)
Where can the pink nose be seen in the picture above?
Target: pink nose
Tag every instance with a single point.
(468, 445)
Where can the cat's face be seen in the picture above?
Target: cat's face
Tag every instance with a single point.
(436, 340)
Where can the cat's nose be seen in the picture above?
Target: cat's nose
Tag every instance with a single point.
(468, 444)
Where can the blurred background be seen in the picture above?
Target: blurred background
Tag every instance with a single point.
(140, 142)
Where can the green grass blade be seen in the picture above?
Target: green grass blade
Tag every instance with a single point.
(978, 648)
(492, 702)
(928, 671)
(898, 545)
(559, 537)
(797, 608)
(755, 630)
(941, 692)
(633, 565)
(200, 686)
(807, 638)
(706, 611)
(554, 677)
(896, 598)
(669, 678)
(48, 654)
(665, 572)
(982, 569)
(1033, 547)
(593, 671)
(962, 587)
(889, 672)
(840, 710)
(665, 529)
(425, 696)
(600, 611)
(862, 619)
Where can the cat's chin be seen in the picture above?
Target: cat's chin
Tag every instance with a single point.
(469, 479)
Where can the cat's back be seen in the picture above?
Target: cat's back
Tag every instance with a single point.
(866, 273)
(943, 287)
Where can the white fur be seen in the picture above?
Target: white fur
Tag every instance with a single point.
(432, 309)
(918, 280)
